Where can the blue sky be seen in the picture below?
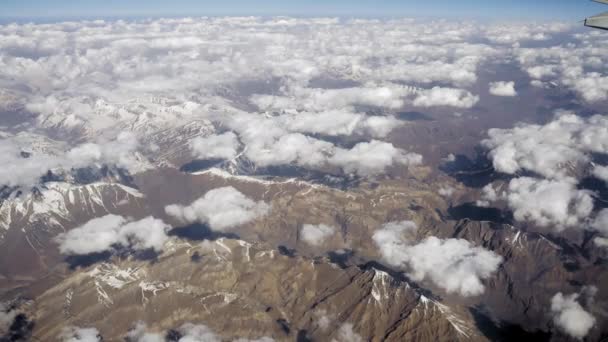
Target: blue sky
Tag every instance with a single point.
(509, 9)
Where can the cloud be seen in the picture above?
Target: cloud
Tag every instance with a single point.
(223, 146)
(339, 123)
(446, 191)
(346, 333)
(269, 143)
(140, 333)
(319, 99)
(27, 169)
(600, 224)
(550, 149)
(601, 172)
(188, 332)
(371, 158)
(323, 319)
(438, 96)
(503, 89)
(557, 204)
(121, 151)
(197, 333)
(7, 316)
(20, 171)
(75, 334)
(315, 235)
(452, 264)
(223, 209)
(570, 316)
(101, 234)
(579, 70)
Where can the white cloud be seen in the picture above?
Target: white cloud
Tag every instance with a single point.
(346, 333)
(75, 334)
(548, 203)
(318, 100)
(452, 264)
(446, 191)
(366, 159)
(197, 333)
(100, 234)
(120, 152)
(323, 319)
(438, 96)
(579, 70)
(340, 123)
(316, 234)
(189, 332)
(548, 149)
(570, 316)
(21, 171)
(223, 209)
(601, 172)
(140, 333)
(7, 316)
(600, 222)
(503, 89)
(601, 242)
(223, 146)
(557, 204)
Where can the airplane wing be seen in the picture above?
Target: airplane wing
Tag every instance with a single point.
(599, 21)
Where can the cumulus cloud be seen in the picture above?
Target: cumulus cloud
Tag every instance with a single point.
(222, 146)
(323, 319)
(7, 316)
(75, 334)
(579, 70)
(318, 99)
(120, 151)
(438, 96)
(557, 204)
(101, 234)
(372, 158)
(452, 264)
(316, 234)
(20, 171)
(548, 149)
(600, 224)
(346, 333)
(197, 333)
(223, 209)
(24, 167)
(503, 88)
(340, 123)
(140, 333)
(188, 332)
(446, 191)
(570, 316)
(601, 172)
